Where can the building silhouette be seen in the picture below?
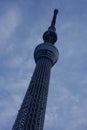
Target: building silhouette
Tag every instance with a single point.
(32, 112)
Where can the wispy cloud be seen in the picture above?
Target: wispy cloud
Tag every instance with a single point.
(65, 106)
(8, 23)
(11, 99)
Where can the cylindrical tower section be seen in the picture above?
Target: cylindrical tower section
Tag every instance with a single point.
(46, 50)
(32, 112)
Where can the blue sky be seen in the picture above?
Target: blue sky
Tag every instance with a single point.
(22, 24)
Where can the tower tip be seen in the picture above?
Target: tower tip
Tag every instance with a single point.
(56, 11)
(50, 35)
(54, 18)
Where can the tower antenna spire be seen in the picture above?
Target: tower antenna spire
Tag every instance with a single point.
(50, 35)
(54, 18)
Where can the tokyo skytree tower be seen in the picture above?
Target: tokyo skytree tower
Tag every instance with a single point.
(32, 111)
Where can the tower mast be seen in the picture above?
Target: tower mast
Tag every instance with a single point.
(32, 112)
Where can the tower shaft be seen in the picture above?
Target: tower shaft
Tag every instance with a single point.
(32, 112)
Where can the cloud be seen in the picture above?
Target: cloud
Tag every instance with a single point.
(12, 92)
(8, 23)
(66, 110)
